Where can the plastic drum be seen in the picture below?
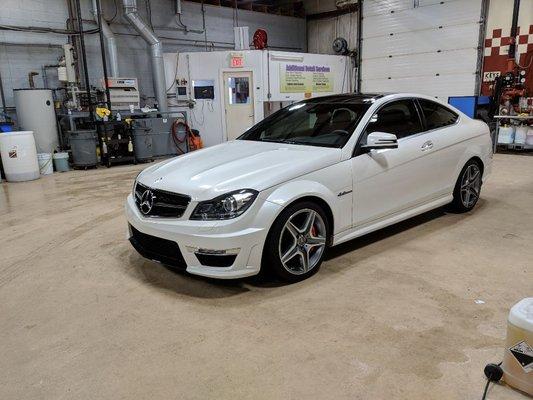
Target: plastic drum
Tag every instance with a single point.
(19, 156)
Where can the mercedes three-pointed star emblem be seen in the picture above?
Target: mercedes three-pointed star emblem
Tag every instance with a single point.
(147, 202)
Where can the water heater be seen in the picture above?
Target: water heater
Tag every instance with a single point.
(35, 112)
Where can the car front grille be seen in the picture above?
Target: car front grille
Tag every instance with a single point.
(161, 203)
(157, 249)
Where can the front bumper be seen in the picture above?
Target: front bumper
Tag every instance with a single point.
(243, 236)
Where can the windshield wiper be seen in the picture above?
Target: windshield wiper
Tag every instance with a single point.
(276, 140)
(268, 140)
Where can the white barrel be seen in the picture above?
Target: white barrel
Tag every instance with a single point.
(506, 134)
(46, 166)
(520, 134)
(35, 112)
(19, 156)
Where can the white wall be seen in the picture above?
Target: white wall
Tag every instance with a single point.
(501, 16)
(17, 60)
(208, 116)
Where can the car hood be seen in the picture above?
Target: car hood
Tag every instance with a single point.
(239, 164)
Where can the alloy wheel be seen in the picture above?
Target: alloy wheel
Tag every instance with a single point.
(302, 241)
(470, 185)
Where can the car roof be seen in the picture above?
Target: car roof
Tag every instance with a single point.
(351, 98)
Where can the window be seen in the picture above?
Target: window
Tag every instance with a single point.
(309, 123)
(239, 90)
(437, 116)
(204, 89)
(399, 117)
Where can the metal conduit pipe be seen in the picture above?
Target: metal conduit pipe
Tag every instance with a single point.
(156, 48)
(111, 43)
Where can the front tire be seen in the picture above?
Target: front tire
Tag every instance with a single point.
(468, 187)
(297, 241)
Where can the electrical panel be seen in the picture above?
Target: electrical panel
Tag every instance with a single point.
(181, 93)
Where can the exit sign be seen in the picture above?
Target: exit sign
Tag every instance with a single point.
(237, 61)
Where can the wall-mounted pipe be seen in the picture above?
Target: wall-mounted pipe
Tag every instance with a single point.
(359, 44)
(111, 43)
(514, 30)
(2, 95)
(101, 23)
(156, 48)
(84, 59)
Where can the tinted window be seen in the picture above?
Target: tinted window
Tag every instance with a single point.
(399, 117)
(437, 115)
(313, 124)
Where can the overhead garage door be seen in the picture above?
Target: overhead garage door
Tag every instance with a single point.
(423, 46)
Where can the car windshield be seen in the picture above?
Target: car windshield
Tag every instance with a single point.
(311, 123)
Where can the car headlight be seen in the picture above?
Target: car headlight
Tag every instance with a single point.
(135, 184)
(227, 206)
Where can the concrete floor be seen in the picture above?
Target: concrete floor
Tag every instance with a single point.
(391, 315)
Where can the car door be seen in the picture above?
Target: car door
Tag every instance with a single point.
(448, 139)
(389, 181)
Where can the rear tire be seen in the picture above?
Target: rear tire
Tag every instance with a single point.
(297, 241)
(468, 187)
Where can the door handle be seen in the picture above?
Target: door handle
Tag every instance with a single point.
(427, 145)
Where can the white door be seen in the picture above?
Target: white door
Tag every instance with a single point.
(390, 181)
(449, 144)
(238, 102)
(428, 47)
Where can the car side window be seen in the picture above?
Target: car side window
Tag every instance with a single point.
(436, 115)
(399, 117)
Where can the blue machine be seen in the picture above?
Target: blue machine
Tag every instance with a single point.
(468, 104)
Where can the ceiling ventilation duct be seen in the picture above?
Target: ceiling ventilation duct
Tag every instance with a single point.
(156, 49)
(110, 41)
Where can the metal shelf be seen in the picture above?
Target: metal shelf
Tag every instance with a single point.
(515, 146)
(519, 117)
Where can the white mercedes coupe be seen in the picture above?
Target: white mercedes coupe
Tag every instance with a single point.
(314, 174)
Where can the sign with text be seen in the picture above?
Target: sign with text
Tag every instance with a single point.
(237, 60)
(305, 78)
(490, 76)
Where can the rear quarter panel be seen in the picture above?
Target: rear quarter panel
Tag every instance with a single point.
(459, 143)
(476, 142)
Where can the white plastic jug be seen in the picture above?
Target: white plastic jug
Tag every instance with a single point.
(518, 357)
(520, 134)
(529, 137)
(506, 134)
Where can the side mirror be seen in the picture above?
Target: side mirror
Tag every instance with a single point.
(381, 140)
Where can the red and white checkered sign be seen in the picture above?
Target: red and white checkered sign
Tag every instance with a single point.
(496, 53)
(498, 45)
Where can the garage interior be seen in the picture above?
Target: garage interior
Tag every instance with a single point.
(413, 311)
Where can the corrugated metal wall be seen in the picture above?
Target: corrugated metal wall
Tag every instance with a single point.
(424, 46)
(17, 59)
